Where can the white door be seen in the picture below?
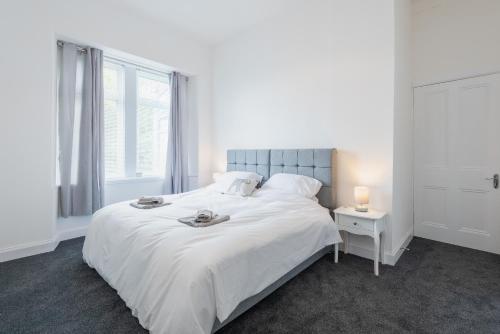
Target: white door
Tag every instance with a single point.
(457, 153)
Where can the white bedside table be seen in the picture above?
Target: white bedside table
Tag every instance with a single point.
(371, 223)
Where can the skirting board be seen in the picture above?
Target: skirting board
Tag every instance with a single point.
(39, 247)
(76, 232)
(391, 258)
(27, 249)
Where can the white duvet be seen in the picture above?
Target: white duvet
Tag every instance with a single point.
(178, 279)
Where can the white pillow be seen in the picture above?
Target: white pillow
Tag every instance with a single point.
(224, 182)
(294, 184)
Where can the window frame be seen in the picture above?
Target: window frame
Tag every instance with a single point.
(130, 107)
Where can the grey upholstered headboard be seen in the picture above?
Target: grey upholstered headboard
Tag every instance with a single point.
(317, 163)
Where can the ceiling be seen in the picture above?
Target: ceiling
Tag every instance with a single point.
(211, 21)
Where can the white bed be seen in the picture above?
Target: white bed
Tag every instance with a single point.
(180, 279)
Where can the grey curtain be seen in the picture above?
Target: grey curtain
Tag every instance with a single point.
(86, 195)
(66, 119)
(176, 178)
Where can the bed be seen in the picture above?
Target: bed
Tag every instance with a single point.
(179, 279)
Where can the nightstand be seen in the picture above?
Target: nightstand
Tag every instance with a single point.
(371, 223)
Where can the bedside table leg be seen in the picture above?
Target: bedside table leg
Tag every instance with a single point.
(382, 248)
(376, 252)
(346, 242)
(336, 253)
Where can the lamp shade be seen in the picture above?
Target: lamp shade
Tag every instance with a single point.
(361, 195)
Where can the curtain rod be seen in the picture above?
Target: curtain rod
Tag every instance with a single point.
(80, 48)
(118, 60)
(145, 68)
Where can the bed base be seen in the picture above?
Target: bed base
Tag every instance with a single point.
(251, 301)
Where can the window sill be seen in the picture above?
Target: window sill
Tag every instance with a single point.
(142, 179)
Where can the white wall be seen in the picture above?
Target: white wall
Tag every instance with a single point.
(29, 30)
(454, 39)
(322, 76)
(402, 213)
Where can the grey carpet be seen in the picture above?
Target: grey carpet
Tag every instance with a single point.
(435, 288)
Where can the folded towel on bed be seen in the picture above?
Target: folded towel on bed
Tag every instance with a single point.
(203, 218)
(149, 203)
(147, 206)
(150, 200)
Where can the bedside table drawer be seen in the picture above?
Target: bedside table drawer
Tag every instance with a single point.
(354, 222)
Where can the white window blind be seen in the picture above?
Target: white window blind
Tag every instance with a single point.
(114, 126)
(153, 97)
(136, 105)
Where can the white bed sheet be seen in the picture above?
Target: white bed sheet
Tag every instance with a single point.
(178, 279)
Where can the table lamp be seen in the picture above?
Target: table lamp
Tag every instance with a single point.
(362, 198)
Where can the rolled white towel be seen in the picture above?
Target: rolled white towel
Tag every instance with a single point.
(203, 216)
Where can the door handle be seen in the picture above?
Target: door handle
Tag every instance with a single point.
(495, 180)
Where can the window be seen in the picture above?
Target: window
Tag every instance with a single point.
(136, 105)
(114, 126)
(152, 115)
